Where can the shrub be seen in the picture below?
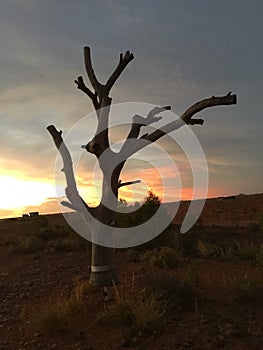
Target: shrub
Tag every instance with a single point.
(31, 245)
(81, 288)
(45, 233)
(246, 251)
(132, 217)
(245, 290)
(193, 280)
(67, 243)
(260, 223)
(54, 317)
(166, 258)
(133, 255)
(206, 249)
(120, 313)
(178, 294)
(149, 313)
(186, 244)
(145, 314)
(34, 224)
(259, 256)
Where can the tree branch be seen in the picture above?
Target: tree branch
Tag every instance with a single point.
(69, 205)
(228, 99)
(121, 184)
(123, 62)
(186, 118)
(93, 96)
(90, 71)
(71, 189)
(138, 121)
(196, 121)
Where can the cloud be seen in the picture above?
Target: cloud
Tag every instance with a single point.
(6, 213)
(184, 51)
(50, 206)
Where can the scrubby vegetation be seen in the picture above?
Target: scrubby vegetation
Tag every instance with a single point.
(200, 290)
(38, 236)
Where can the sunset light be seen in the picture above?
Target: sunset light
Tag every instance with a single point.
(42, 56)
(131, 198)
(17, 193)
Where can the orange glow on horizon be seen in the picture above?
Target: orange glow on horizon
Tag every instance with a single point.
(17, 193)
(20, 195)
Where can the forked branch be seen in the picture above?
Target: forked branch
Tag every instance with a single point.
(100, 99)
(131, 147)
(186, 117)
(138, 122)
(123, 62)
(101, 90)
(82, 86)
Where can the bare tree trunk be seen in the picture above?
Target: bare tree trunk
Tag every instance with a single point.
(103, 272)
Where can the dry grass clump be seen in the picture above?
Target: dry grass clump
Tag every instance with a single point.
(56, 316)
(62, 312)
(149, 314)
(146, 313)
(206, 249)
(166, 258)
(246, 291)
(243, 252)
(40, 238)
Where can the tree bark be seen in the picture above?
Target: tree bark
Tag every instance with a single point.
(103, 272)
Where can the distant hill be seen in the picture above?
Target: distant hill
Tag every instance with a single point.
(240, 210)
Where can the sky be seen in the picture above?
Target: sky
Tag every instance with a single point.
(184, 51)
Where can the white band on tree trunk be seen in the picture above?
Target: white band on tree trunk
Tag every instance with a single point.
(102, 268)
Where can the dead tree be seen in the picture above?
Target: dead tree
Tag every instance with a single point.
(103, 272)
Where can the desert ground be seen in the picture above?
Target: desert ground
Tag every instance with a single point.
(199, 290)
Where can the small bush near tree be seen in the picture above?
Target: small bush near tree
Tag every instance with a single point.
(133, 216)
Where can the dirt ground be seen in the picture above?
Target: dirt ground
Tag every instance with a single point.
(218, 321)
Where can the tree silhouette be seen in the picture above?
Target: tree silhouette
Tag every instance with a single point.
(111, 163)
